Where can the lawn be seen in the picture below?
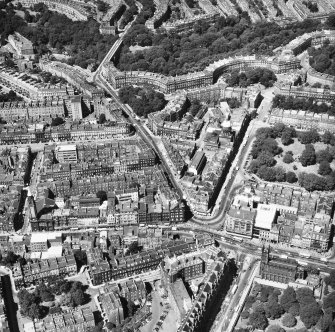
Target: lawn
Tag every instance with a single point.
(297, 149)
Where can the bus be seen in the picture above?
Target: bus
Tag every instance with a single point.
(234, 289)
(302, 254)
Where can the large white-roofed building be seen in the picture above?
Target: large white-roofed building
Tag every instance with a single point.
(265, 218)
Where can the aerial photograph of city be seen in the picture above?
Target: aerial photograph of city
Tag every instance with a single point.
(167, 165)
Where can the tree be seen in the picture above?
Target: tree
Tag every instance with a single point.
(245, 314)
(331, 279)
(304, 296)
(81, 258)
(102, 195)
(308, 156)
(324, 168)
(57, 121)
(324, 155)
(11, 258)
(294, 310)
(35, 311)
(67, 300)
(133, 248)
(289, 320)
(274, 310)
(329, 301)
(78, 297)
(287, 136)
(331, 21)
(309, 137)
(110, 325)
(327, 137)
(47, 296)
(102, 118)
(265, 158)
(275, 328)
(258, 320)
(310, 314)
(288, 157)
(291, 177)
(288, 299)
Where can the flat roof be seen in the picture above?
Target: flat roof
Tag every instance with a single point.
(67, 147)
(266, 214)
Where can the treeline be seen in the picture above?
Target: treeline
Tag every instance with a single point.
(323, 59)
(252, 76)
(142, 101)
(175, 54)
(292, 103)
(10, 96)
(81, 40)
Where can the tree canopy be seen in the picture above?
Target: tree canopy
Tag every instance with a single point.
(252, 76)
(175, 54)
(142, 100)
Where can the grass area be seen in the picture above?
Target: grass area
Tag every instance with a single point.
(297, 149)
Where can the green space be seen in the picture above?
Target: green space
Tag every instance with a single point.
(243, 79)
(281, 154)
(52, 297)
(180, 53)
(142, 100)
(274, 310)
(323, 59)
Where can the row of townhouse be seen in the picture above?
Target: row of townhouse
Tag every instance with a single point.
(148, 180)
(27, 134)
(81, 319)
(202, 79)
(304, 120)
(72, 9)
(61, 172)
(160, 82)
(30, 87)
(33, 273)
(319, 94)
(74, 75)
(38, 110)
(121, 214)
(123, 267)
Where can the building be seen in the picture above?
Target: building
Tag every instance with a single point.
(279, 269)
(187, 267)
(81, 319)
(66, 153)
(265, 218)
(76, 109)
(47, 268)
(179, 299)
(72, 9)
(22, 46)
(198, 163)
(304, 120)
(240, 221)
(319, 94)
